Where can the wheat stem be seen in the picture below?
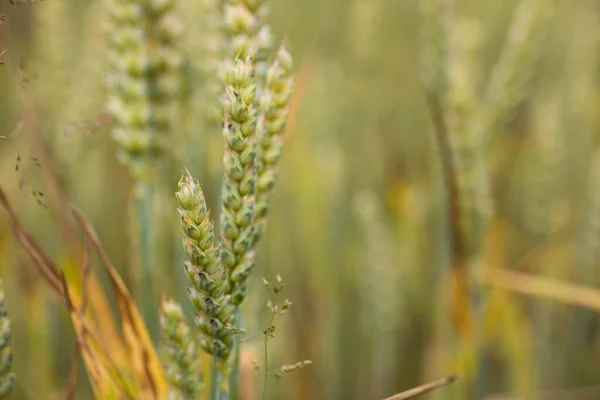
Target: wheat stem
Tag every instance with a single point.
(214, 379)
(235, 369)
(144, 199)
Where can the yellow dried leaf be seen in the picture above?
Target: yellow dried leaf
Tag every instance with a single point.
(97, 309)
(104, 376)
(144, 361)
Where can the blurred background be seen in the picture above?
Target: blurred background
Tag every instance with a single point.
(360, 227)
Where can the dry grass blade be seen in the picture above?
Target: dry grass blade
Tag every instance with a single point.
(147, 367)
(43, 263)
(72, 381)
(104, 375)
(103, 321)
(539, 286)
(105, 378)
(426, 388)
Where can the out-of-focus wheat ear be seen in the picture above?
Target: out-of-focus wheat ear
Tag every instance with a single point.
(543, 167)
(247, 34)
(239, 185)
(7, 377)
(274, 106)
(143, 80)
(181, 355)
(465, 140)
(382, 255)
(435, 48)
(461, 101)
(205, 57)
(518, 62)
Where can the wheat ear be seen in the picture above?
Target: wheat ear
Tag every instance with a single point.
(182, 360)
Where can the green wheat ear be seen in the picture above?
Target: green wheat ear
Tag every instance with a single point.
(274, 104)
(7, 377)
(247, 35)
(182, 360)
(205, 271)
(239, 185)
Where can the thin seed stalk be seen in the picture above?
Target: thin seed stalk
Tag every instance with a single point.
(235, 368)
(266, 362)
(214, 380)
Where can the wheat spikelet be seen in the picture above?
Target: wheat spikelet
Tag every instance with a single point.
(516, 66)
(239, 185)
(182, 360)
(542, 214)
(206, 273)
(435, 46)
(472, 171)
(247, 35)
(274, 106)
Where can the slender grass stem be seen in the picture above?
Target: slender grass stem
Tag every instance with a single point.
(235, 369)
(144, 200)
(264, 394)
(266, 364)
(223, 395)
(214, 380)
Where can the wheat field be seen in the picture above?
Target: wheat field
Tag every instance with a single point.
(278, 199)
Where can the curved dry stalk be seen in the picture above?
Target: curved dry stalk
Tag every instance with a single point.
(426, 388)
(539, 286)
